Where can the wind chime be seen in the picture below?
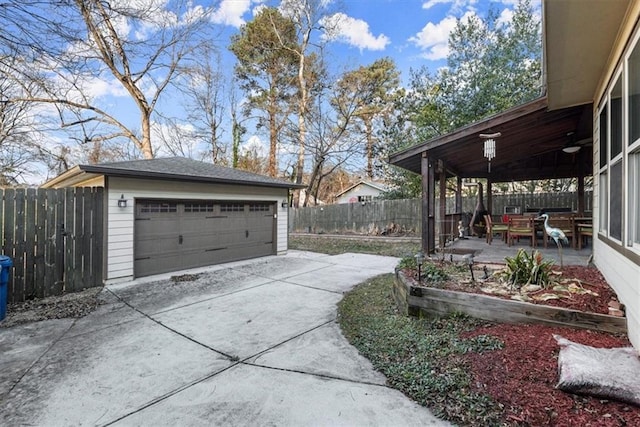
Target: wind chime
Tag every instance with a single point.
(490, 145)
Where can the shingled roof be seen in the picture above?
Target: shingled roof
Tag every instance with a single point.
(171, 168)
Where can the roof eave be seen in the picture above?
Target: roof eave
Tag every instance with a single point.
(398, 158)
(97, 169)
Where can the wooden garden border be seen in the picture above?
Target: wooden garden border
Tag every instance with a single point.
(417, 301)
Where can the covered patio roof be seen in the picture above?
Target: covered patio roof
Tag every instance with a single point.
(529, 148)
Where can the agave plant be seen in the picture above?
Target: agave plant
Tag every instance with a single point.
(528, 269)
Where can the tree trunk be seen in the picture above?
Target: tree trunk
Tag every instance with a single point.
(145, 141)
(273, 144)
(369, 130)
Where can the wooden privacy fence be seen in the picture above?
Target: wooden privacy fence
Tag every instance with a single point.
(388, 216)
(55, 239)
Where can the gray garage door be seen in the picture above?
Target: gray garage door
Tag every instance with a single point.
(174, 235)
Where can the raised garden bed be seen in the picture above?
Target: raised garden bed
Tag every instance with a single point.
(424, 301)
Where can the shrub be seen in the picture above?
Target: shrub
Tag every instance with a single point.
(525, 269)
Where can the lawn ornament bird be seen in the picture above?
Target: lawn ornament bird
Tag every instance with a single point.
(556, 234)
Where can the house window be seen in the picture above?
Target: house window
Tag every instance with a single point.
(634, 95)
(615, 213)
(618, 143)
(232, 207)
(198, 207)
(365, 198)
(603, 199)
(616, 119)
(254, 207)
(611, 136)
(603, 137)
(634, 198)
(158, 207)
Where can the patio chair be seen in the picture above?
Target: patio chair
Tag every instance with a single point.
(495, 228)
(566, 224)
(584, 231)
(521, 227)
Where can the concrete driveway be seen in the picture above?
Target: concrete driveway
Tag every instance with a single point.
(247, 343)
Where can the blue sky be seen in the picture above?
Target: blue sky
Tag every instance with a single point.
(414, 33)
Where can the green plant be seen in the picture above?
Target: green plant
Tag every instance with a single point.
(433, 273)
(528, 269)
(424, 358)
(408, 262)
(429, 271)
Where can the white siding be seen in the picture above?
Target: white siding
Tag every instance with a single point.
(620, 271)
(624, 277)
(358, 190)
(121, 220)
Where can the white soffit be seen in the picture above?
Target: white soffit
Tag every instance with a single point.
(579, 38)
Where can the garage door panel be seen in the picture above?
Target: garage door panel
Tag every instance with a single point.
(176, 235)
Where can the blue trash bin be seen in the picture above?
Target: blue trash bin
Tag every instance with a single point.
(5, 266)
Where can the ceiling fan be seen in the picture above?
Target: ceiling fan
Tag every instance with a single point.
(572, 146)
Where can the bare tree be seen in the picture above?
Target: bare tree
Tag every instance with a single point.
(67, 45)
(333, 140)
(308, 16)
(19, 136)
(205, 106)
(198, 134)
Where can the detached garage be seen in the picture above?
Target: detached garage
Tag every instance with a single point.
(164, 215)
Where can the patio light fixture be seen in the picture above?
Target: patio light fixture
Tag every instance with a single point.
(122, 202)
(419, 261)
(490, 145)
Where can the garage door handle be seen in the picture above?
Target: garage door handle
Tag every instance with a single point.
(246, 233)
(180, 239)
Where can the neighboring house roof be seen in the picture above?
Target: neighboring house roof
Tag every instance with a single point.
(173, 168)
(371, 184)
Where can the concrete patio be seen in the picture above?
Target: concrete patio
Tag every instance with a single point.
(498, 250)
(247, 343)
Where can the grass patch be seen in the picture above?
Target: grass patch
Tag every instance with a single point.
(333, 246)
(423, 358)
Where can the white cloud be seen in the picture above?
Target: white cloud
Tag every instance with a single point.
(254, 145)
(431, 3)
(354, 32)
(457, 6)
(433, 39)
(96, 87)
(505, 18)
(230, 12)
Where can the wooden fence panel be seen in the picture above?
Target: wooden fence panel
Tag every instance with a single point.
(379, 215)
(58, 246)
(55, 239)
(30, 243)
(40, 260)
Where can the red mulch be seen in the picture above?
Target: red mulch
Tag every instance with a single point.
(591, 279)
(522, 377)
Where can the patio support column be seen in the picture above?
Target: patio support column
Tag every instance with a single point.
(489, 197)
(458, 195)
(428, 204)
(445, 228)
(581, 200)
